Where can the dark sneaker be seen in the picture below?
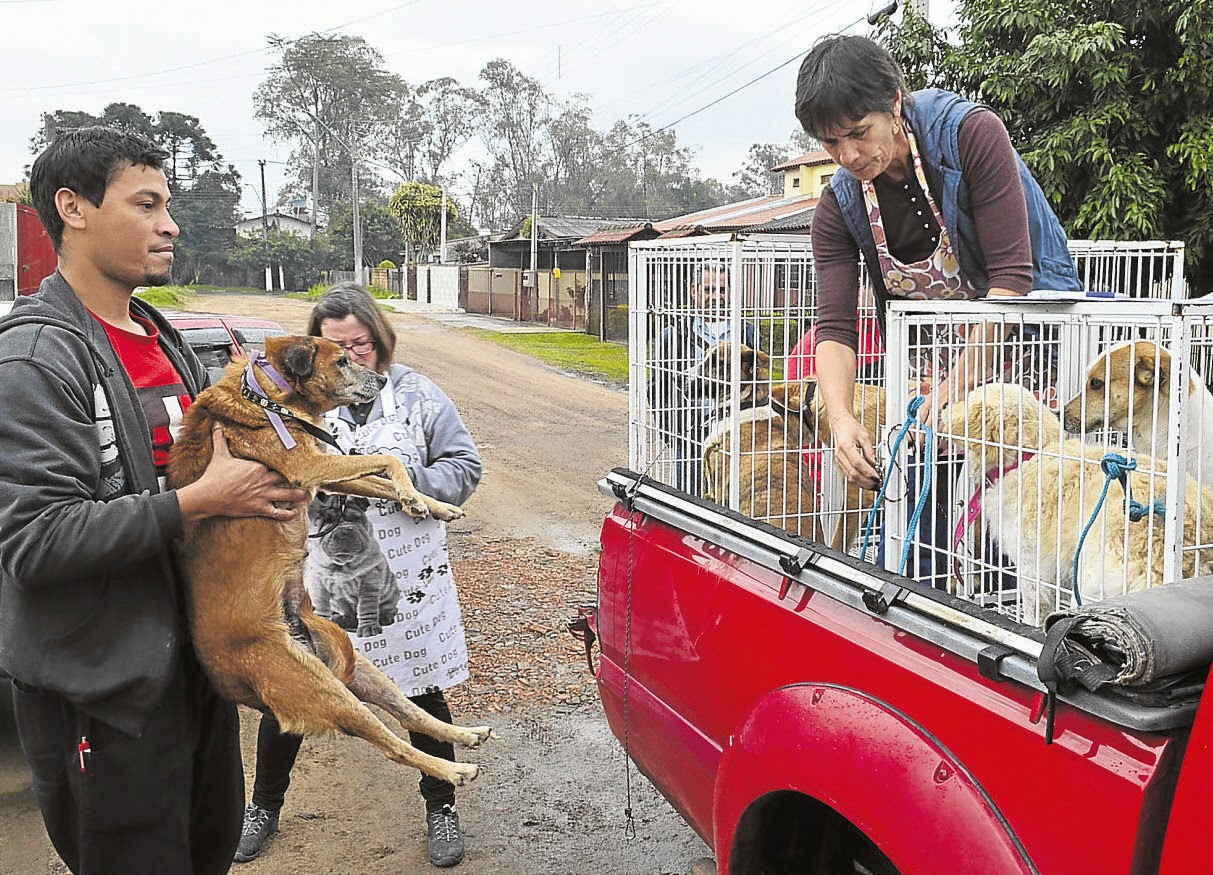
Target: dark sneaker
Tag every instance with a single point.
(259, 825)
(444, 838)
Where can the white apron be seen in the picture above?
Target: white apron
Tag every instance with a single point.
(423, 650)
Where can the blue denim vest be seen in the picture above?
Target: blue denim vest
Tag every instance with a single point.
(935, 119)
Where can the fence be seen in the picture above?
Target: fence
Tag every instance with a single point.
(741, 423)
(558, 301)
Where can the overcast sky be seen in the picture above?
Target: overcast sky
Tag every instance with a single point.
(660, 59)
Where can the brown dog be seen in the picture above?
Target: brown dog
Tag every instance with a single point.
(247, 593)
(1127, 389)
(804, 409)
(773, 484)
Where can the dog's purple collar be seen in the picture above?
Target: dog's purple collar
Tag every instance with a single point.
(256, 393)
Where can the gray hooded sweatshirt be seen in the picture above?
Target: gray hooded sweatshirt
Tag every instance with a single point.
(91, 605)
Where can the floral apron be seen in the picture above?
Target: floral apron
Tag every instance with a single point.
(937, 276)
(424, 649)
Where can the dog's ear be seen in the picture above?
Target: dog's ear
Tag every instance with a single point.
(762, 362)
(808, 391)
(1145, 369)
(299, 358)
(754, 363)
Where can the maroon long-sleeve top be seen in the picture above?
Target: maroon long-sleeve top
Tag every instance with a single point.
(1000, 213)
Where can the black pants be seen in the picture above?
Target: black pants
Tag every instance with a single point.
(277, 751)
(167, 801)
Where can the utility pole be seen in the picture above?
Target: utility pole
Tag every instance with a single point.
(353, 153)
(442, 232)
(535, 238)
(357, 218)
(265, 231)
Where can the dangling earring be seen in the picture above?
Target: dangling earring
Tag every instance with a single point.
(896, 126)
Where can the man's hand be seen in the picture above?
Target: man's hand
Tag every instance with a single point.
(234, 487)
(854, 452)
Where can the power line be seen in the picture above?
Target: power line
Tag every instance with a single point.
(872, 19)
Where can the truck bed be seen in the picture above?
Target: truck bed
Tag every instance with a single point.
(727, 642)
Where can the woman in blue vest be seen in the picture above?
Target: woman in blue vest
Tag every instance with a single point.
(934, 199)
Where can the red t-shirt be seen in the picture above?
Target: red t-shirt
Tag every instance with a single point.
(161, 390)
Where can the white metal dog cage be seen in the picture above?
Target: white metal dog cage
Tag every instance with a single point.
(687, 294)
(1089, 484)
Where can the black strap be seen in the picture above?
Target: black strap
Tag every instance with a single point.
(274, 407)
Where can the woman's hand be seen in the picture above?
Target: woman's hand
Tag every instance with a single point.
(854, 452)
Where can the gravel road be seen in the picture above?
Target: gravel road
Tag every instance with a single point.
(552, 792)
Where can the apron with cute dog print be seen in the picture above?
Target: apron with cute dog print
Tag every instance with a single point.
(423, 648)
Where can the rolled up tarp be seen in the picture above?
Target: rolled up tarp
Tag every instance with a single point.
(1131, 640)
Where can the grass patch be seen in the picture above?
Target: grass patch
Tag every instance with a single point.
(566, 350)
(166, 297)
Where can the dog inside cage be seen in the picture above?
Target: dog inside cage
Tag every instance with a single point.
(1058, 431)
(1069, 491)
(731, 413)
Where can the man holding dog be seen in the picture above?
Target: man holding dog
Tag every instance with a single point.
(135, 759)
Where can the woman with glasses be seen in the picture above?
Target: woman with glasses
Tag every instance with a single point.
(411, 627)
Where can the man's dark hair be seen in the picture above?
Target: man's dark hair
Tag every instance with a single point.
(85, 160)
(843, 79)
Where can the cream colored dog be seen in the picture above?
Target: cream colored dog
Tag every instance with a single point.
(1128, 390)
(1046, 493)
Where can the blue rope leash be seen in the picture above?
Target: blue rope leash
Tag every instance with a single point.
(911, 421)
(1115, 467)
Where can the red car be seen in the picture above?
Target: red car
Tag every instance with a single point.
(216, 338)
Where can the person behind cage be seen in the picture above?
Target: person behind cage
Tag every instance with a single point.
(414, 420)
(934, 198)
(135, 759)
(679, 346)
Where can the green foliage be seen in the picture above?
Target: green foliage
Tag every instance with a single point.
(1110, 104)
(567, 350)
(418, 208)
(166, 297)
(381, 293)
(301, 259)
(777, 335)
(387, 264)
(380, 233)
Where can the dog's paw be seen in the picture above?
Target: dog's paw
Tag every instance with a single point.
(475, 735)
(415, 507)
(462, 773)
(446, 512)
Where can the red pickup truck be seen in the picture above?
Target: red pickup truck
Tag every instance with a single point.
(807, 712)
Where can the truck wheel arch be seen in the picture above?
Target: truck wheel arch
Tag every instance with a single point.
(871, 765)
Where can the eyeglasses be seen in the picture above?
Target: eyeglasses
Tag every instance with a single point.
(360, 347)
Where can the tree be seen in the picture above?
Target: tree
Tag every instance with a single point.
(755, 178)
(449, 111)
(574, 183)
(331, 95)
(380, 232)
(1110, 104)
(418, 209)
(205, 191)
(515, 111)
(300, 259)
